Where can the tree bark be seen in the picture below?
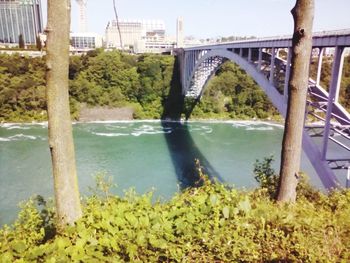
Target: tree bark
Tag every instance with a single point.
(303, 13)
(60, 127)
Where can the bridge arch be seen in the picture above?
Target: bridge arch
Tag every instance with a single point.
(251, 69)
(326, 142)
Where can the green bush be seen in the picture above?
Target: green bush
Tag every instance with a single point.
(210, 223)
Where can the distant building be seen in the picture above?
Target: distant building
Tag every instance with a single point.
(20, 17)
(179, 32)
(82, 42)
(130, 31)
(139, 36)
(143, 46)
(82, 15)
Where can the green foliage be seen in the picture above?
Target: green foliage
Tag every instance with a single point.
(22, 88)
(233, 94)
(266, 176)
(268, 179)
(145, 82)
(104, 184)
(210, 223)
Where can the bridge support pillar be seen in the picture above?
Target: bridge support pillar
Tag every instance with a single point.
(259, 59)
(333, 95)
(339, 75)
(319, 65)
(249, 55)
(272, 65)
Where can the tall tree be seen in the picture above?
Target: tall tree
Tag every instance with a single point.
(60, 126)
(303, 14)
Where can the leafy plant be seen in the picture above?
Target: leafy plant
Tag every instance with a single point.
(210, 223)
(266, 176)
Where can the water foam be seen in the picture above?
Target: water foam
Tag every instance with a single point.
(269, 128)
(19, 137)
(256, 125)
(110, 134)
(18, 127)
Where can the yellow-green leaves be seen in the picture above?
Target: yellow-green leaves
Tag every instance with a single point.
(212, 223)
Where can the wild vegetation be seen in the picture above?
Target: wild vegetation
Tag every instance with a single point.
(233, 94)
(210, 223)
(115, 80)
(98, 78)
(142, 82)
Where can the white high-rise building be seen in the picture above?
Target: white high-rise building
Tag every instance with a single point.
(82, 15)
(130, 31)
(134, 32)
(179, 32)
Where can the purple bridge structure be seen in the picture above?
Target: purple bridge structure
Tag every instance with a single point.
(326, 135)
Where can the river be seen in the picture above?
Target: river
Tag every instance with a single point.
(144, 155)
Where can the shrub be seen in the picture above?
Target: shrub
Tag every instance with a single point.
(210, 223)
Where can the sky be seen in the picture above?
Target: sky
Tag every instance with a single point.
(214, 18)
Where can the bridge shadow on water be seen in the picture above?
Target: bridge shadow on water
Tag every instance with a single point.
(182, 148)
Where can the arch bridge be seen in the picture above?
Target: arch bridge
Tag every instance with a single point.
(326, 135)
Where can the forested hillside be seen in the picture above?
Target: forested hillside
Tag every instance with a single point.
(142, 82)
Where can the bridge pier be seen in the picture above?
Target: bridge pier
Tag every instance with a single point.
(260, 59)
(333, 96)
(319, 65)
(272, 65)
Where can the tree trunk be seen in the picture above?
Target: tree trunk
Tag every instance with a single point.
(303, 13)
(60, 126)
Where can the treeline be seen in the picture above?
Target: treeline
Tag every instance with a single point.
(98, 78)
(143, 82)
(115, 79)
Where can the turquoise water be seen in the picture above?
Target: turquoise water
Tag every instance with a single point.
(144, 155)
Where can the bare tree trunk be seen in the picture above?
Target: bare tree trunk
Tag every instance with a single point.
(60, 126)
(303, 14)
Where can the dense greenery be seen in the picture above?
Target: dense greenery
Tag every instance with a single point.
(211, 223)
(233, 94)
(22, 88)
(98, 78)
(115, 80)
(145, 83)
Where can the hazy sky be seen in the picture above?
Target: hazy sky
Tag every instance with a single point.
(212, 18)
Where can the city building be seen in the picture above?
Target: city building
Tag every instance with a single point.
(179, 33)
(84, 41)
(130, 32)
(138, 36)
(82, 24)
(20, 17)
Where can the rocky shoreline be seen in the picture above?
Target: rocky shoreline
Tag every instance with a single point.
(105, 114)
